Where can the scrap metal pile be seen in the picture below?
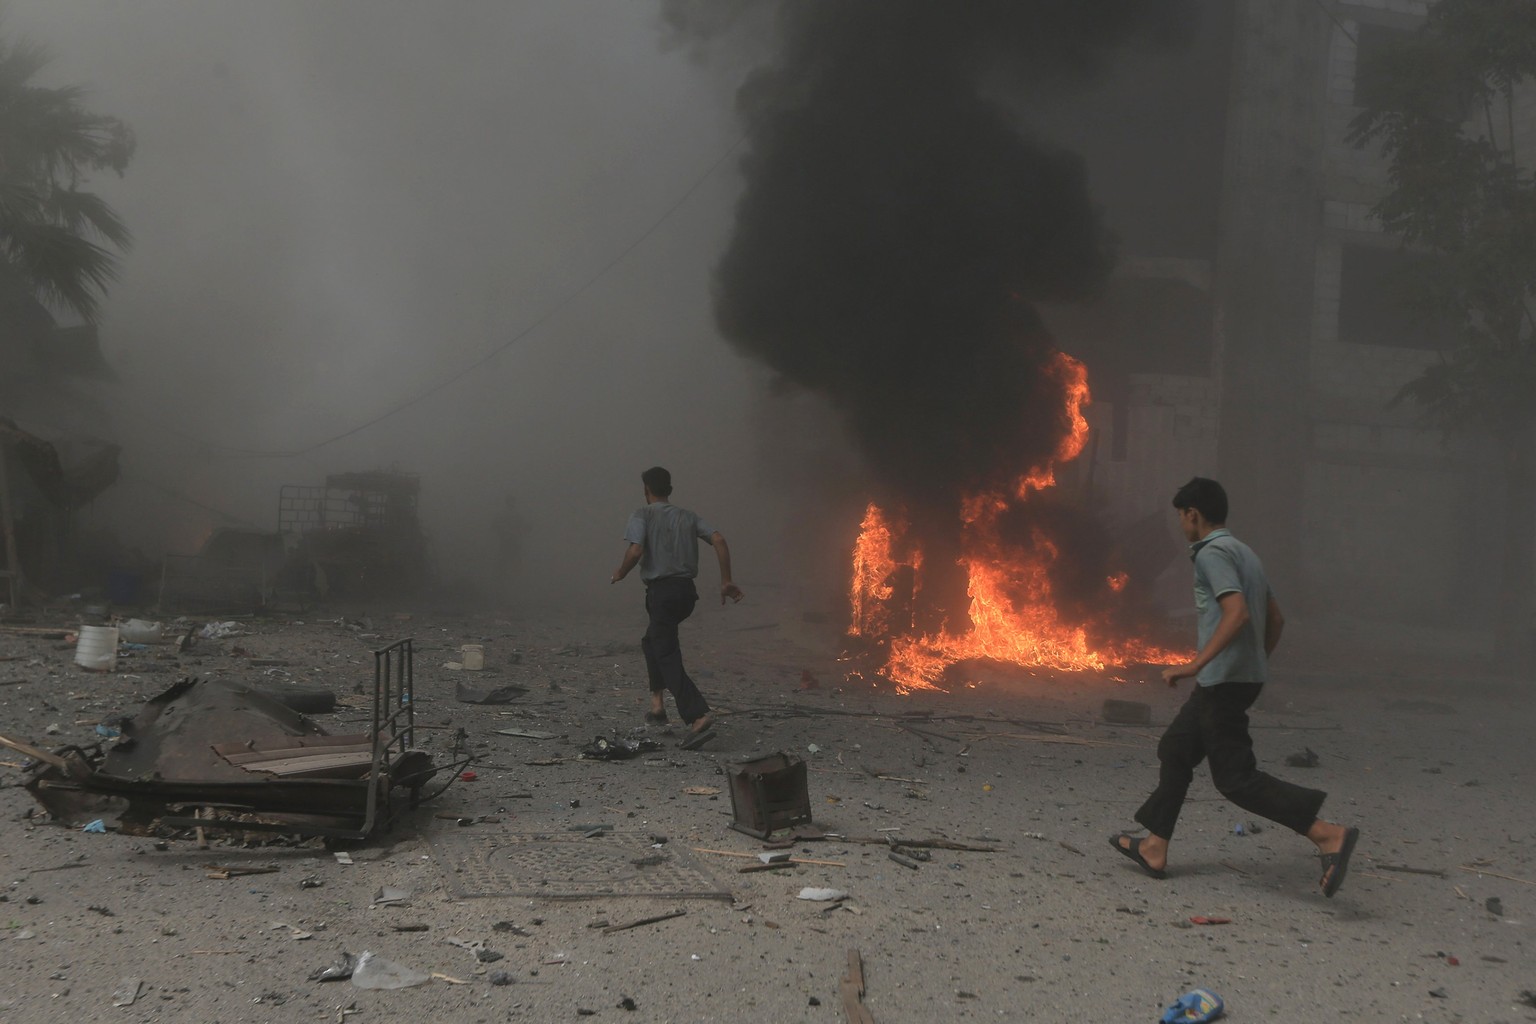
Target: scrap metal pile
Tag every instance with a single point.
(219, 755)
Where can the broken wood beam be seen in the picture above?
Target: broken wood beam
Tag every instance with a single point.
(1407, 870)
(923, 844)
(654, 919)
(72, 766)
(851, 990)
(223, 872)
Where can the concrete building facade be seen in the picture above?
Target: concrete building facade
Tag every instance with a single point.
(1358, 505)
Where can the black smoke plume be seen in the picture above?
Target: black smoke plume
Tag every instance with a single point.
(898, 221)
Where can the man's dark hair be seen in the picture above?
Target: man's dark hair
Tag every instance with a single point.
(1204, 496)
(659, 482)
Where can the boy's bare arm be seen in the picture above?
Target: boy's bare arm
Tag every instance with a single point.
(1234, 616)
(1274, 625)
(631, 559)
(723, 554)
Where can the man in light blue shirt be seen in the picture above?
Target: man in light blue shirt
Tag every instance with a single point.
(663, 540)
(1239, 625)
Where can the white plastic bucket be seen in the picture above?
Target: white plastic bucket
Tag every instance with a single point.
(137, 631)
(473, 657)
(97, 648)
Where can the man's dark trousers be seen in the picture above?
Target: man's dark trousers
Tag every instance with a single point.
(1213, 724)
(668, 601)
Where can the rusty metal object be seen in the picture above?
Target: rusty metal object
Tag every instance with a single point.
(768, 794)
(246, 762)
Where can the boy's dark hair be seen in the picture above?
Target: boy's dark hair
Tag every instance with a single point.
(658, 481)
(1204, 496)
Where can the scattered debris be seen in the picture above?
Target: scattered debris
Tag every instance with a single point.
(1406, 870)
(702, 790)
(768, 794)
(1494, 906)
(851, 990)
(500, 978)
(821, 895)
(1247, 828)
(1202, 919)
(1478, 869)
(605, 749)
(216, 745)
(1196, 1007)
(127, 992)
(792, 860)
(498, 695)
(934, 844)
(388, 896)
(372, 971)
(1306, 758)
(226, 872)
(341, 970)
(654, 919)
(138, 631)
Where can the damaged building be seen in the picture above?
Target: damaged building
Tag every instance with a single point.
(1265, 280)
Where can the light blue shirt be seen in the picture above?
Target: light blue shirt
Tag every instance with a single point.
(669, 538)
(1225, 565)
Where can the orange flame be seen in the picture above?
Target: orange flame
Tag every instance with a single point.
(1011, 615)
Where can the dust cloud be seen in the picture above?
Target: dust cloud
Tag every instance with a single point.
(340, 207)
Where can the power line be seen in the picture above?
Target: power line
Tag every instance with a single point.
(1337, 21)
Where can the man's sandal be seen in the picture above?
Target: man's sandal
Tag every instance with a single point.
(1132, 849)
(1336, 865)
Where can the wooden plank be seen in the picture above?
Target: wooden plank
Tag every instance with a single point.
(852, 991)
(292, 743)
(254, 758)
(313, 764)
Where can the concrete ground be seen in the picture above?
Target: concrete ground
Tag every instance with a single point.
(1437, 773)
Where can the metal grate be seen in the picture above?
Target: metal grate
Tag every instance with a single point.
(559, 866)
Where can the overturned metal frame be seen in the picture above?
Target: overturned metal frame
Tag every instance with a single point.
(337, 808)
(393, 735)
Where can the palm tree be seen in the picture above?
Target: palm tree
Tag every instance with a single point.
(54, 236)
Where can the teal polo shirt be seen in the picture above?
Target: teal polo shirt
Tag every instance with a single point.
(1225, 565)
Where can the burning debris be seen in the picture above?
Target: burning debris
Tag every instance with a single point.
(897, 223)
(1031, 601)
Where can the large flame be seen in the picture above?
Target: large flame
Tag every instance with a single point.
(1011, 614)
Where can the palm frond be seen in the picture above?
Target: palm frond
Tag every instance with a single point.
(66, 271)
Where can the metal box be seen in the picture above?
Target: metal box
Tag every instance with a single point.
(769, 794)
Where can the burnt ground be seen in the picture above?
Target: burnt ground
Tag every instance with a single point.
(1436, 770)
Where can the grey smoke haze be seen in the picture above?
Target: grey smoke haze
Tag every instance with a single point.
(338, 204)
(898, 219)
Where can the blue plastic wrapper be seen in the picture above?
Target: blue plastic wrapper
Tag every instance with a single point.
(1195, 1007)
(96, 826)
